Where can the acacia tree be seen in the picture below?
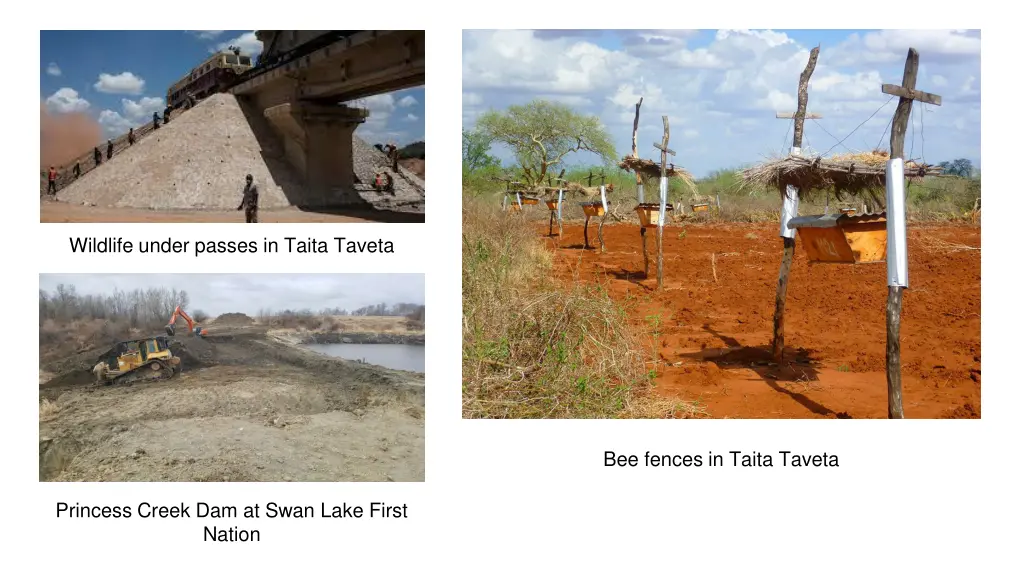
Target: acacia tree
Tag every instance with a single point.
(543, 133)
(475, 148)
(961, 167)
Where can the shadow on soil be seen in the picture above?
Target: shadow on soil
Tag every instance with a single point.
(798, 368)
(631, 276)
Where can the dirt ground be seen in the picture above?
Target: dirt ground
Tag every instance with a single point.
(64, 212)
(711, 327)
(246, 407)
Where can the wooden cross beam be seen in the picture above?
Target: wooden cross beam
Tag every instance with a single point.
(894, 90)
(664, 150)
(907, 94)
(792, 115)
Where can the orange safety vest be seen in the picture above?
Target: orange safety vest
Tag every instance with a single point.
(53, 174)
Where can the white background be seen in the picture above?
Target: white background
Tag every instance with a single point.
(909, 497)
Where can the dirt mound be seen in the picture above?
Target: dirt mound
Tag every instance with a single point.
(199, 160)
(234, 319)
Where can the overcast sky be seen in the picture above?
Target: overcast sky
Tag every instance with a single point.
(218, 294)
(722, 88)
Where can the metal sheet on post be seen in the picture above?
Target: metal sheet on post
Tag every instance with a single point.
(519, 199)
(790, 205)
(604, 199)
(504, 203)
(639, 193)
(663, 189)
(559, 204)
(896, 224)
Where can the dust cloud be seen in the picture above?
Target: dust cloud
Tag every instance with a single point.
(64, 137)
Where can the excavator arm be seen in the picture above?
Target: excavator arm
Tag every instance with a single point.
(192, 326)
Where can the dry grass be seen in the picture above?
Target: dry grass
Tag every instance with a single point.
(535, 349)
(933, 244)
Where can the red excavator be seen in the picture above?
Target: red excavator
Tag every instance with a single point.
(194, 328)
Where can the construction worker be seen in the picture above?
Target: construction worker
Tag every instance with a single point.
(96, 156)
(78, 170)
(110, 149)
(51, 188)
(131, 136)
(393, 156)
(156, 120)
(250, 200)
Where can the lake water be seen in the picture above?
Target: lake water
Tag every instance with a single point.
(397, 356)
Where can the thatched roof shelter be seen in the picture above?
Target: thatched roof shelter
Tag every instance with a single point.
(852, 174)
(649, 169)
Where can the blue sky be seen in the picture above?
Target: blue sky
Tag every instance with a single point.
(721, 88)
(120, 78)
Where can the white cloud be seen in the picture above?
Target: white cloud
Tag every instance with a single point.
(890, 46)
(123, 83)
(411, 118)
(700, 58)
(562, 65)
(247, 42)
(726, 86)
(66, 100)
(690, 133)
(406, 101)
(142, 110)
(376, 104)
(53, 69)
(133, 113)
(113, 123)
(205, 34)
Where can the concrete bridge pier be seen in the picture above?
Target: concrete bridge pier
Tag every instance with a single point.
(318, 144)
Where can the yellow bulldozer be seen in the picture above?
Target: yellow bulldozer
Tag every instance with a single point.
(132, 361)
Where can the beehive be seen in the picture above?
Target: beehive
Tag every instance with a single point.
(649, 214)
(699, 207)
(552, 204)
(529, 200)
(592, 209)
(842, 238)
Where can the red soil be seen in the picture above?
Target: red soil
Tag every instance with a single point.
(713, 338)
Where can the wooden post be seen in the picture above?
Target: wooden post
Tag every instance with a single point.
(640, 198)
(636, 125)
(664, 174)
(586, 239)
(600, 225)
(789, 244)
(896, 222)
